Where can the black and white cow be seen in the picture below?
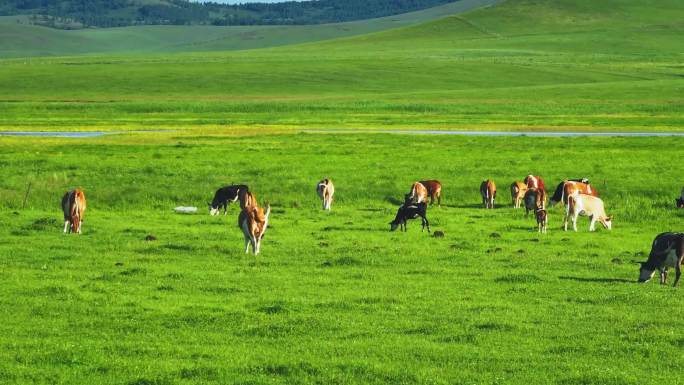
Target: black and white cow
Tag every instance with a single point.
(667, 251)
(680, 200)
(410, 211)
(226, 195)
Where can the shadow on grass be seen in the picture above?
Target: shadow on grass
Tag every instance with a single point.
(597, 280)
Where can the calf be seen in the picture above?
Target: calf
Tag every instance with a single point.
(488, 192)
(542, 220)
(253, 222)
(518, 190)
(534, 199)
(569, 187)
(534, 181)
(410, 211)
(418, 193)
(224, 196)
(587, 205)
(434, 190)
(73, 208)
(667, 251)
(680, 200)
(326, 190)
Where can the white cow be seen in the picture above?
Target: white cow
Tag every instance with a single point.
(326, 190)
(589, 206)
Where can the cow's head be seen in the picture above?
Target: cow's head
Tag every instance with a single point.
(680, 203)
(646, 272)
(213, 210)
(607, 222)
(394, 225)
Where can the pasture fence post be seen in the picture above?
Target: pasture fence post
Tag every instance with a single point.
(28, 191)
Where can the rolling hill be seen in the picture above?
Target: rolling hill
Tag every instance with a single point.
(541, 65)
(19, 39)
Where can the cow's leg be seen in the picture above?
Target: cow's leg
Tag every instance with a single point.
(80, 226)
(663, 276)
(439, 199)
(565, 223)
(591, 224)
(257, 245)
(246, 235)
(66, 225)
(426, 223)
(574, 222)
(678, 272)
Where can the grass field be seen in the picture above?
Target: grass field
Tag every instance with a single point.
(561, 65)
(333, 298)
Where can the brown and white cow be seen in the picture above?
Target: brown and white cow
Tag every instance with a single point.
(488, 192)
(534, 181)
(667, 251)
(434, 190)
(569, 187)
(253, 222)
(418, 193)
(73, 207)
(542, 220)
(589, 206)
(518, 190)
(326, 190)
(534, 199)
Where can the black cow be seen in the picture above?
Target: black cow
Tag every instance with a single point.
(680, 200)
(667, 251)
(224, 196)
(410, 211)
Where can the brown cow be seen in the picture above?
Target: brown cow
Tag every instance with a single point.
(542, 220)
(534, 181)
(488, 192)
(73, 207)
(253, 222)
(418, 193)
(518, 190)
(569, 187)
(434, 190)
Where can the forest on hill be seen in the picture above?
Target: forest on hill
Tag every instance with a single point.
(73, 14)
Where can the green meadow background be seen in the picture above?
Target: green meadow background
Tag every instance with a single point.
(336, 298)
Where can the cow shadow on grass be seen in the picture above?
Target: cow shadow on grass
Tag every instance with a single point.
(596, 280)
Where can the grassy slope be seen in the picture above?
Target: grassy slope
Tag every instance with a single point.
(335, 298)
(522, 64)
(21, 40)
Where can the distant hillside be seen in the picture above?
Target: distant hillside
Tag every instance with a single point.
(74, 14)
(18, 38)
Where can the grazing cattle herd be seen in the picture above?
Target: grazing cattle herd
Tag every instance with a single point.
(578, 196)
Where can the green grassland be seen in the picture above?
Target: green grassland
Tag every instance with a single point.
(334, 297)
(530, 65)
